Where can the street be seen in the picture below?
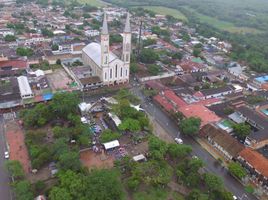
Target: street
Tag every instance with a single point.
(172, 129)
(5, 191)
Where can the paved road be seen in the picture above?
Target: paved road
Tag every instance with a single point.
(4, 179)
(170, 126)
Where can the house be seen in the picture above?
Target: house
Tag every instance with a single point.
(256, 164)
(222, 141)
(189, 66)
(9, 93)
(237, 71)
(24, 86)
(215, 92)
(200, 111)
(259, 137)
(92, 82)
(12, 67)
(258, 83)
(92, 33)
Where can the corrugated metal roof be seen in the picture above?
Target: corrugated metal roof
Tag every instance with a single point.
(24, 85)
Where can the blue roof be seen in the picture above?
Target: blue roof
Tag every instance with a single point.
(262, 79)
(47, 96)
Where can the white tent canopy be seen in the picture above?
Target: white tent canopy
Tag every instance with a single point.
(111, 145)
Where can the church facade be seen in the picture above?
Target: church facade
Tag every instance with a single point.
(104, 63)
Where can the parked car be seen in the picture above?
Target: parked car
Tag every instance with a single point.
(6, 155)
(178, 141)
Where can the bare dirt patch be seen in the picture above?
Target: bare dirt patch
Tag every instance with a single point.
(17, 148)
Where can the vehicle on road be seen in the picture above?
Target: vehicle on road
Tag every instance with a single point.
(178, 141)
(6, 155)
(234, 197)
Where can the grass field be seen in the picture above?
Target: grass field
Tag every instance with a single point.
(223, 25)
(166, 11)
(97, 3)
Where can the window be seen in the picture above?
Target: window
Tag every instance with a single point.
(105, 76)
(111, 73)
(115, 71)
(127, 57)
(121, 72)
(126, 72)
(106, 60)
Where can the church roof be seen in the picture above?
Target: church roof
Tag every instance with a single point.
(93, 50)
(127, 25)
(104, 30)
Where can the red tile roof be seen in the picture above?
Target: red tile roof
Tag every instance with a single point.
(188, 65)
(171, 96)
(21, 64)
(256, 160)
(163, 102)
(195, 110)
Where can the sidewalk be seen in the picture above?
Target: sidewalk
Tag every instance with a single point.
(217, 155)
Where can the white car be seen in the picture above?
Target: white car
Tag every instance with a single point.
(6, 155)
(234, 197)
(178, 141)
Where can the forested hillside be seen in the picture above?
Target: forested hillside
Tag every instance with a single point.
(243, 22)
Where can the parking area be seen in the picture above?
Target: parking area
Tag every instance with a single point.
(17, 147)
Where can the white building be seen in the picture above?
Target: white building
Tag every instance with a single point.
(104, 63)
(6, 31)
(92, 33)
(24, 86)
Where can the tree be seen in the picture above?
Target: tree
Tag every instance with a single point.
(197, 52)
(55, 47)
(108, 136)
(149, 42)
(20, 51)
(133, 68)
(104, 185)
(190, 126)
(116, 38)
(58, 193)
(153, 69)
(10, 38)
(148, 56)
(177, 151)
(58, 62)
(237, 170)
(46, 32)
(69, 160)
(213, 182)
(23, 190)
(15, 169)
(242, 130)
(196, 194)
(157, 148)
(64, 104)
(130, 124)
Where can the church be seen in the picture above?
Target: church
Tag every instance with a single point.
(104, 63)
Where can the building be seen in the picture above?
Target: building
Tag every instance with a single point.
(9, 93)
(12, 67)
(92, 33)
(6, 31)
(104, 63)
(24, 86)
(222, 141)
(259, 137)
(256, 164)
(200, 111)
(215, 92)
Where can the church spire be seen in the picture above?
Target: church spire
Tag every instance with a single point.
(127, 25)
(104, 30)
